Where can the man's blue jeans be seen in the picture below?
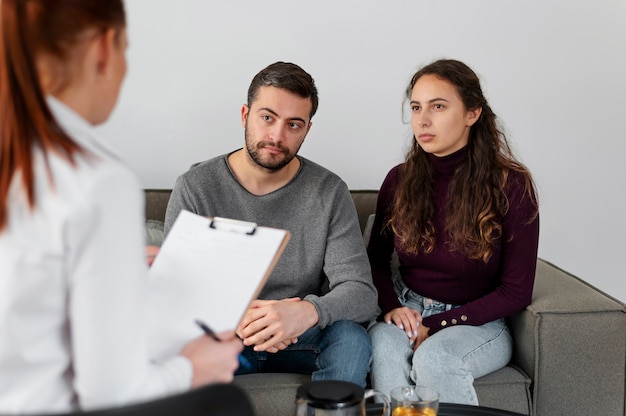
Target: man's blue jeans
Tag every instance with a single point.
(341, 351)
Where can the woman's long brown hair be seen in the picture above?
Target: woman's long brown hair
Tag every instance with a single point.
(477, 199)
(28, 28)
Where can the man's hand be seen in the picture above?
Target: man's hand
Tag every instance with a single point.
(273, 325)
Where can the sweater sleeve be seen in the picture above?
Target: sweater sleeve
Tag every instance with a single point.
(179, 199)
(352, 295)
(517, 267)
(381, 246)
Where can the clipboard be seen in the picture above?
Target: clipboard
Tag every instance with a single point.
(208, 268)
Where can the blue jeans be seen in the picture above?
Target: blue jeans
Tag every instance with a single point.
(341, 351)
(447, 361)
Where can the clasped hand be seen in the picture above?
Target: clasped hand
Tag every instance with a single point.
(273, 325)
(410, 321)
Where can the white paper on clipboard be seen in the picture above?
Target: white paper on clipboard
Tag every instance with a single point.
(208, 269)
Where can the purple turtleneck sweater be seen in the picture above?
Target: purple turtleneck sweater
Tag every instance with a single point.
(485, 291)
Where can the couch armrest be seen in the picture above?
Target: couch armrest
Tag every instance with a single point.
(571, 340)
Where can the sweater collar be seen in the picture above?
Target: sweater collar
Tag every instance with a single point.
(446, 165)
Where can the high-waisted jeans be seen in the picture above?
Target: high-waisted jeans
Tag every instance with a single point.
(447, 361)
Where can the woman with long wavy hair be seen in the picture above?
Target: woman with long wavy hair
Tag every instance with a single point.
(72, 267)
(461, 214)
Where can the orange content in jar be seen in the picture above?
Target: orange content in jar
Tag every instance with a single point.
(407, 411)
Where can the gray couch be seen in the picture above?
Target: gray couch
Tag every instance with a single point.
(570, 345)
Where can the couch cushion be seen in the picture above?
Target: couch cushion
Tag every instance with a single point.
(154, 233)
(274, 394)
(507, 388)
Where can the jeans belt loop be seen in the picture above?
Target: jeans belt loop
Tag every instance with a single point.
(405, 293)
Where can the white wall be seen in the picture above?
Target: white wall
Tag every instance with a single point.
(554, 72)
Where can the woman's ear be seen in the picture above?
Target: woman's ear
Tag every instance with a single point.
(472, 116)
(105, 44)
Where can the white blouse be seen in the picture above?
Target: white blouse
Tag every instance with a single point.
(73, 287)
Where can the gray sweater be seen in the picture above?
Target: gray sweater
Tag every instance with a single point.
(326, 241)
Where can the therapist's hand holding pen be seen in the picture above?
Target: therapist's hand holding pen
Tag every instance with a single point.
(214, 359)
(243, 362)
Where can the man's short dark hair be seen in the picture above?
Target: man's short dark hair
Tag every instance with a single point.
(287, 76)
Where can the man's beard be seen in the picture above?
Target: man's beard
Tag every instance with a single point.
(271, 163)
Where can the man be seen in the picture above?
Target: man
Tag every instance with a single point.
(296, 325)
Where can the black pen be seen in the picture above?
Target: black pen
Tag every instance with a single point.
(242, 360)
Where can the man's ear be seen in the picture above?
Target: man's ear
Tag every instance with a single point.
(472, 116)
(245, 110)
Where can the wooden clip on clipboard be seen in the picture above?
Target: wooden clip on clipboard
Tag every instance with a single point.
(208, 269)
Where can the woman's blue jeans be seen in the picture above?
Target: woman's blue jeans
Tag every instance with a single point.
(341, 351)
(447, 361)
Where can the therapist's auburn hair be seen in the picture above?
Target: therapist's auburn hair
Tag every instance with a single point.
(32, 30)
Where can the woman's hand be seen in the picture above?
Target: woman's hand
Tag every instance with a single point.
(213, 361)
(409, 320)
(422, 334)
